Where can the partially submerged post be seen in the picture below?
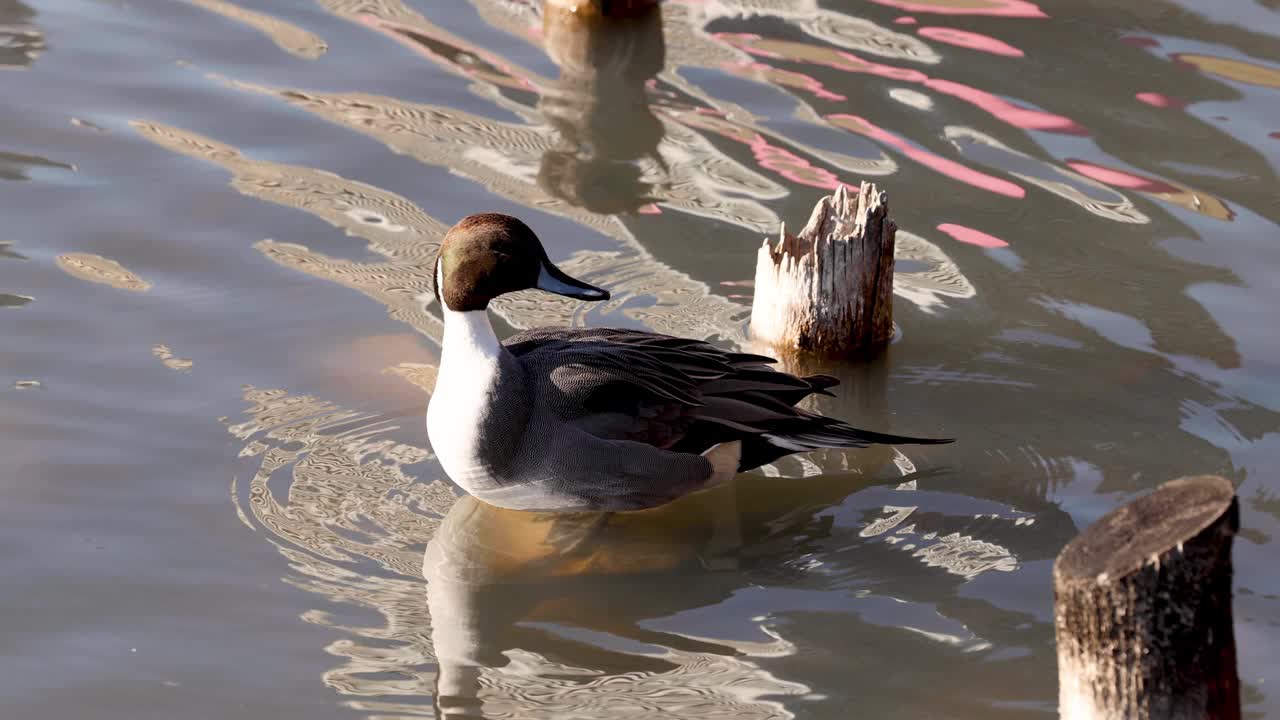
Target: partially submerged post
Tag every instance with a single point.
(829, 289)
(1143, 609)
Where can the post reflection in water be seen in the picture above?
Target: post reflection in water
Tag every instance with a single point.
(606, 64)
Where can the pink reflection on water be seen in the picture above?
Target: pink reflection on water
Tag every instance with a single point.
(650, 209)
(1181, 195)
(1275, 135)
(1140, 41)
(1121, 178)
(1002, 109)
(791, 166)
(769, 156)
(905, 20)
(784, 77)
(1155, 99)
(971, 236)
(1005, 8)
(747, 43)
(971, 40)
(938, 163)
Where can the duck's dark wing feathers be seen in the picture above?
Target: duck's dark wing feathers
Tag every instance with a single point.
(681, 394)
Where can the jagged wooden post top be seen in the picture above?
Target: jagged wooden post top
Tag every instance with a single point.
(1142, 609)
(829, 289)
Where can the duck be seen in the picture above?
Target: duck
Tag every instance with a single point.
(598, 419)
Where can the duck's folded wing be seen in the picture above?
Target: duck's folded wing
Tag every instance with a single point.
(662, 390)
(619, 393)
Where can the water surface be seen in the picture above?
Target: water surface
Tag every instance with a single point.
(218, 496)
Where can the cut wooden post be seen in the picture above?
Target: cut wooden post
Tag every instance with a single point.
(1143, 609)
(613, 40)
(829, 289)
(602, 8)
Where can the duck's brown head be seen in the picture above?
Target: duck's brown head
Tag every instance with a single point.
(490, 254)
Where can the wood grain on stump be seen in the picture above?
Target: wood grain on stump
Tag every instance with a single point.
(829, 289)
(1143, 608)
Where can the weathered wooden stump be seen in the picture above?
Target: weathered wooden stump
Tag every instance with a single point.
(1143, 609)
(829, 289)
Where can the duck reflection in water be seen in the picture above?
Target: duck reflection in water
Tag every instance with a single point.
(600, 106)
(486, 569)
(503, 585)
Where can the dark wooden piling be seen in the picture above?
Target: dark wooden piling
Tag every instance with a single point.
(828, 290)
(1143, 609)
(601, 8)
(610, 39)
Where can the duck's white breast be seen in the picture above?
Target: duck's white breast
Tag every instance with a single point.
(464, 389)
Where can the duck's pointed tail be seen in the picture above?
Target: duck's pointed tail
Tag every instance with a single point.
(853, 437)
(835, 434)
(770, 446)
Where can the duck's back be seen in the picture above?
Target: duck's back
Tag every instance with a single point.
(619, 384)
(679, 394)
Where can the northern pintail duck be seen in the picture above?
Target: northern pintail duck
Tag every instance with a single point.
(597, 418)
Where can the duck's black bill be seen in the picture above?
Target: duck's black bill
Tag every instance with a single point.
(552, 279)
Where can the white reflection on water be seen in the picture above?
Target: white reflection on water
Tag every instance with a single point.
(482, 555)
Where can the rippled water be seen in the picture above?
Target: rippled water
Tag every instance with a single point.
(218, 499)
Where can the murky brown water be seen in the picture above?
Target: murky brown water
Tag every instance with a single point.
(217, 491)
